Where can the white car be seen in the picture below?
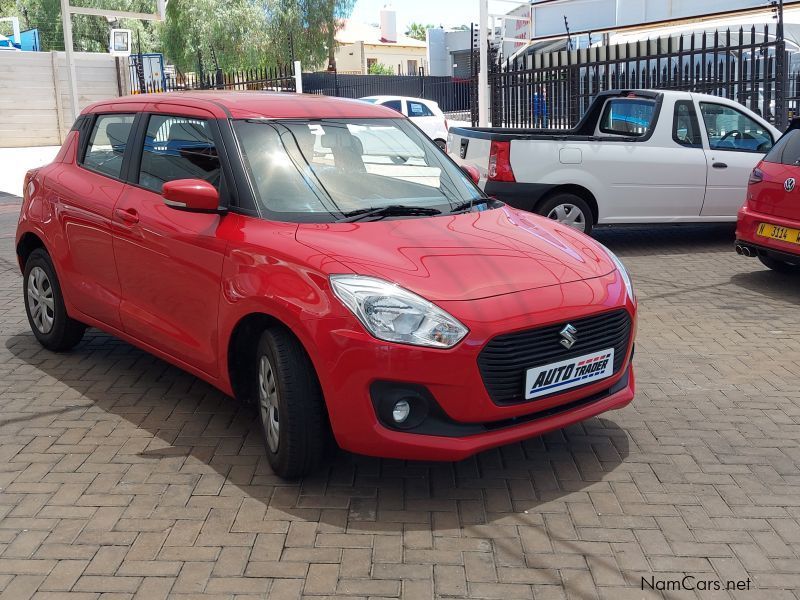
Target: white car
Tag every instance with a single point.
(637, 156)
(425, 114)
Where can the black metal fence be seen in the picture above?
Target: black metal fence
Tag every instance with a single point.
(553, 90)
(277, 79)
(450, 93)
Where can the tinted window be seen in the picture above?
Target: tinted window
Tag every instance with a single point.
(685, 128)
(730, 129)
(178, 148)
(627, 116)
(786, 150)
(394, 105)
(418, 109)
(107, 144)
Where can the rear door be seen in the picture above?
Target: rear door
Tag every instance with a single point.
(170, 261)
(736, 142)
(87, 193)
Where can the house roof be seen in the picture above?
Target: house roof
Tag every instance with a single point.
(352, 32)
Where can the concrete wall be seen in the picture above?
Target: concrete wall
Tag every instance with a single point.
(35, 104)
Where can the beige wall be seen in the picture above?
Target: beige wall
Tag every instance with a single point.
(352, 58)
(35, 105)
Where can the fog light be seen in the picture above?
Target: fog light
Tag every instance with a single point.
(400, 411)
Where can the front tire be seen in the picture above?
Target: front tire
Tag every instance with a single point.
(290, 405)
(44, 305)
(781, 266)
(568, 209)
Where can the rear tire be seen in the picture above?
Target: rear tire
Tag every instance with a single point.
(44, 305)
(291, 408)
(781, 266)
(568, 209)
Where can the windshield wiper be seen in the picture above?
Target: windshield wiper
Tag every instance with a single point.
(393, 210)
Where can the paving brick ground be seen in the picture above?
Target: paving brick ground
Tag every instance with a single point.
(123, 477)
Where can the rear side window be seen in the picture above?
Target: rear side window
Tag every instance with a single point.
(107, 143)
(394, 105)
(787, 150)
(627, 116)
(686, 128)
(178, 148)
(418, 109)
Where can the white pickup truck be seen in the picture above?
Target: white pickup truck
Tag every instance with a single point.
(637, 156)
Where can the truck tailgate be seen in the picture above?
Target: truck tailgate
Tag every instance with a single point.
(467, 150)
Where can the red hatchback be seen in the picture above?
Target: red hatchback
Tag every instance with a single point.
(769, 222)
(323, 259)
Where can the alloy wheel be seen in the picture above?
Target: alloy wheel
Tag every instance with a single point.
(268, 402)
(41, 303)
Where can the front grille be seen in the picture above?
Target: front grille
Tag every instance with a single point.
(505, 359)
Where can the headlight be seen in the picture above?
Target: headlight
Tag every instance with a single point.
(394, 314)
(622, 271)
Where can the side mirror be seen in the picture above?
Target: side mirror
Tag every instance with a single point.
(193, 195)
(472, 173)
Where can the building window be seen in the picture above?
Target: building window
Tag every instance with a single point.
(412, 67)
(371, 62)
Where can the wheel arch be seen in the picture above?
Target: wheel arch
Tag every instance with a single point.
(27, 244)
(578, 190)
(243, 341)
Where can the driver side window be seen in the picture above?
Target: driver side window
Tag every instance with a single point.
(731, 129)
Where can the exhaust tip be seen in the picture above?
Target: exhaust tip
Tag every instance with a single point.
(739, 250)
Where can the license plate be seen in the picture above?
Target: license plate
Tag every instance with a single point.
(776, 232)
(560, 376)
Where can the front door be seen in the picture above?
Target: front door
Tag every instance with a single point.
(736, 143)
(170, 261)
(86, 195)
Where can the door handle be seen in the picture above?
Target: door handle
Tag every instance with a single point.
(127, 215)
(720, 165)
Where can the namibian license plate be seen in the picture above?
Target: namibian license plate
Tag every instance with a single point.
(560, 376)
(776, 232)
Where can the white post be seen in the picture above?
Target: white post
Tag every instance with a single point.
(483, 72)
(298, 77)
(66, 21)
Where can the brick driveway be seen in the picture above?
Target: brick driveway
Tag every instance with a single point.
(124, 477)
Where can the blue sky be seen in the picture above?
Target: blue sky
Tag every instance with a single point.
(436, 12)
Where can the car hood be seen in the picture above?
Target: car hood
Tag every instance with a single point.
(465, 256)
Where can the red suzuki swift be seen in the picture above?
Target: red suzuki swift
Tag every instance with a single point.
(769, 223)
(325, 260)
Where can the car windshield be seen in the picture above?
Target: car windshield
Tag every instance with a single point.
(331, 169)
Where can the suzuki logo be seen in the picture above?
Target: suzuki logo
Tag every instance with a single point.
(788, 185)
(568, 336)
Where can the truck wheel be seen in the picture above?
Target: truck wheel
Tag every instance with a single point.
(44, 305)
(290, 405)
(568, 209)
(781, 266)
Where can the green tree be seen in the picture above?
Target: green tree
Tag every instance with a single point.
(89, 33)
(380, 69)
(418, 31)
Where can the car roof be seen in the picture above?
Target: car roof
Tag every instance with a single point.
(251, 105)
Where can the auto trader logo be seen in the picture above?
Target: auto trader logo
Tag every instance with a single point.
(569, 373)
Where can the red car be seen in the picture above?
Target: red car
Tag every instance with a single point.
(325, 260)
(769, 223)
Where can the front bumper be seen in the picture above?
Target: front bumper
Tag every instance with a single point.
(473, 422)
(747, 225)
